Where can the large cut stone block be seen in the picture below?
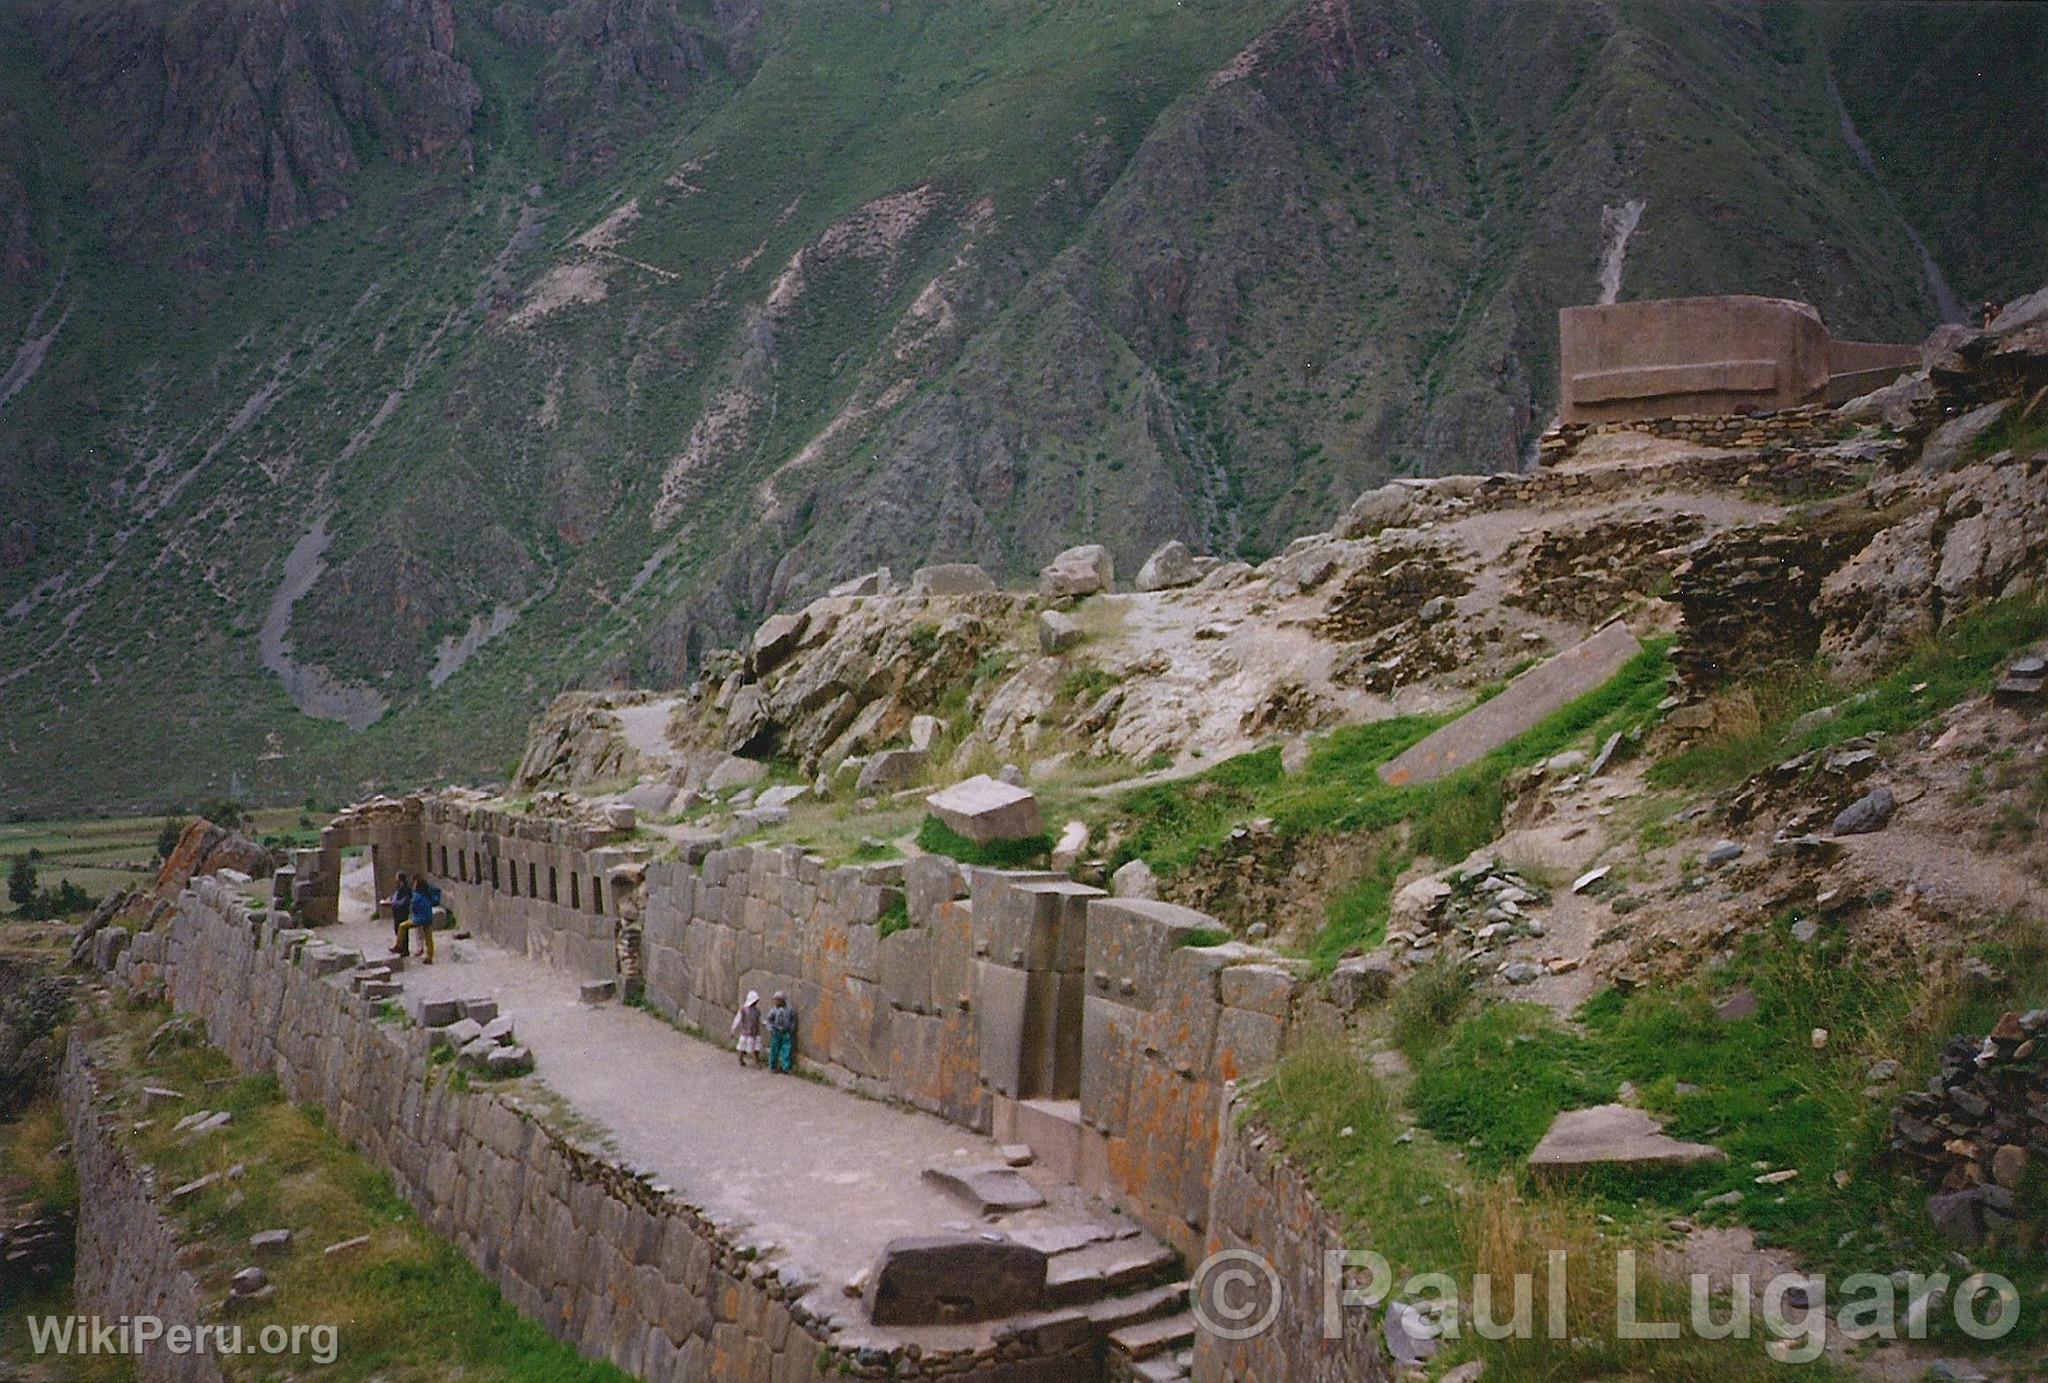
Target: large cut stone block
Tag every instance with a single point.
(989, 1188)
(1078, 571)
(1131, 941)
(984, 809)
(1547, 687)
(943, 1278)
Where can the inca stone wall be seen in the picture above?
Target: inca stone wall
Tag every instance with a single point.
(599, 1256)
(1263, 1205)
(1103, 1032)
(548, 887)
(127, 1249)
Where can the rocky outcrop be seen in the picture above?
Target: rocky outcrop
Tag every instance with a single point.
(1981, 536)
(232, 118)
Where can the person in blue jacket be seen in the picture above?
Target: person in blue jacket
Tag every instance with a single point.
(425, 898)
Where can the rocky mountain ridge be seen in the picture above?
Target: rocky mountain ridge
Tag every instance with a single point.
(473, 352)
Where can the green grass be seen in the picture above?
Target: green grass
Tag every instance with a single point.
(1417, 1205)
(1755, 1087)
(1172, 826)
(1960, 662)
(937, 838)
(407, 1304)
(895, 917)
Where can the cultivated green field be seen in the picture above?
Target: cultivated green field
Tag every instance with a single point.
(101, 856)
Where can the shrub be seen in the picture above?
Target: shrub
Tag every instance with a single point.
(936, 837)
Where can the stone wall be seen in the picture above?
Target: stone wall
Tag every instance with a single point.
(622, 1269)
(553, 888)
(1265, 1206)
(1805, 426)
(1017, 1003)
(127, 1248)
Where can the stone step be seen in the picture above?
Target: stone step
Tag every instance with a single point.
(1101, 1269)
(1160, 1369)
(1114, 1313)
(1162, 1335)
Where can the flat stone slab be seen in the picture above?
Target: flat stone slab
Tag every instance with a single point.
(1613, 1135)
(1582, 668)
(985, 809)
(992, 1188)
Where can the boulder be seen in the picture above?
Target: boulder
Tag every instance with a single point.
(1066, 853)
(875, 582)
(1386, 507)
(925, 731)
(954, 1278)
(1871, 812)
(1134, 879)
(775, 640)
(890, 770)
(1418, 904)
(1360, 980)
(781, 795)
(984, 810)
(1945, 447)
(1613, 1135)
(1078, 571)
(951, 578)
(1057, 632)
(1170, 566)
(650, 799)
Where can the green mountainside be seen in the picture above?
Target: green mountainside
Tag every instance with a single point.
(371, 370)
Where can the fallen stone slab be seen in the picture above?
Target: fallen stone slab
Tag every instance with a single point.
(270, 1241)
(194, 1187)
(476, 1055)
(1613, 1135)
(499, 1030)
(992, 1188)
(345, 1245)
(954, 1278)
(983, 810)
(153, 1095)
(1583, 668)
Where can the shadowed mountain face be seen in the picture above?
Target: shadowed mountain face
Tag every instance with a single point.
(370, 370)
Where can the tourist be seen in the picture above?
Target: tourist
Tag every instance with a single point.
(746, 1026)
(781, 1035)
(401, 912)
(1989, 312)
(425, 898)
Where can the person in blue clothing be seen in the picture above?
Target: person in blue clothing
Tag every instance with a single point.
(425, 898)
(781, 1025)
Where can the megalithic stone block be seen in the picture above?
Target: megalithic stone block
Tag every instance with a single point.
(1582, 668)
(953, 1279)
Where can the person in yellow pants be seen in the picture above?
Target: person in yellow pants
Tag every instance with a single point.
(425, 897)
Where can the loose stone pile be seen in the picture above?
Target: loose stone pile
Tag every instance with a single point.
(1979, 1126)
(1474, 913)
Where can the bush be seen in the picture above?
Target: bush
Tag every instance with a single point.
(21, 881)
(168, 836)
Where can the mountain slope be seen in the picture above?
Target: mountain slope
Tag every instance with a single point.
(491, 349)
